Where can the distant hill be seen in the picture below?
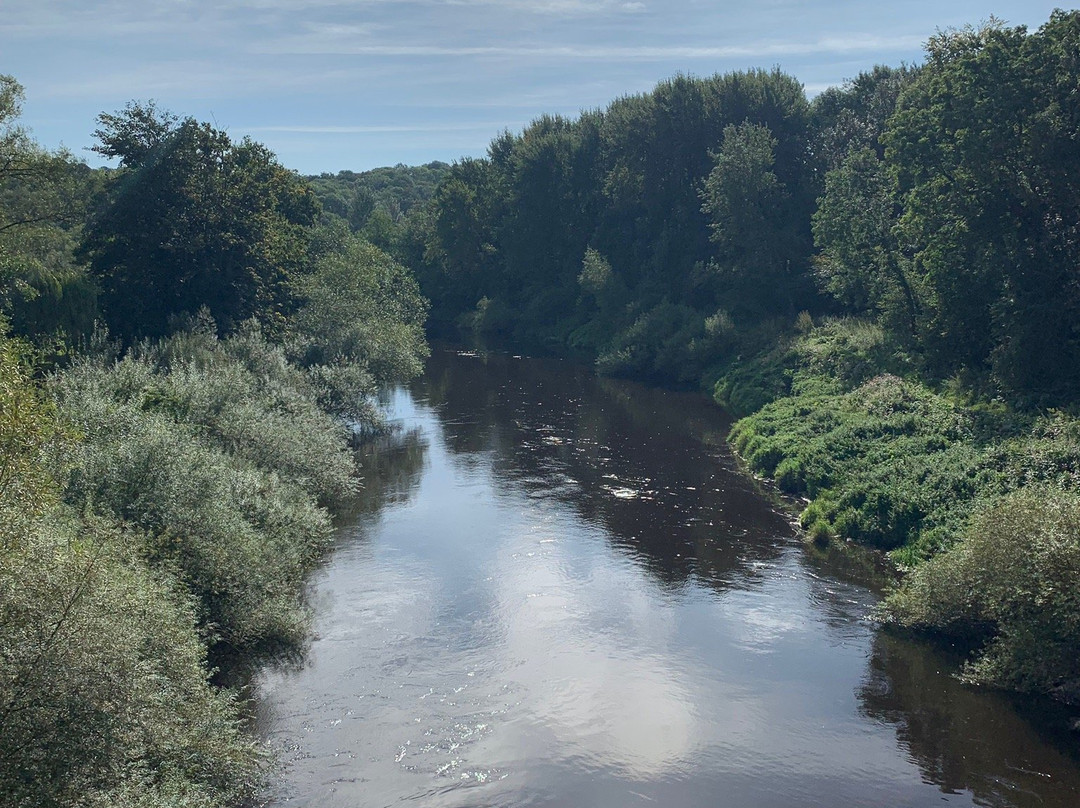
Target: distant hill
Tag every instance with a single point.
(392, 189)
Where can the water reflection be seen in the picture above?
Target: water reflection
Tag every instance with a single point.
(390, 467)
(649, 466)
(963, 739)
(559, 595)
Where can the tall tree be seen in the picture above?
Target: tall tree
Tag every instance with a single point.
(861, 263)
(983, 146)
(43, 199)
(760, 230)
(197, 220)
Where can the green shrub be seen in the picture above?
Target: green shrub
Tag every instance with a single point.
(104, 698)
(218, 456)
(361, 324)
(1011, 586)
(886, 464)
(103, 681)
(667, 343)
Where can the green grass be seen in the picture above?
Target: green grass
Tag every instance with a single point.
(888, 463)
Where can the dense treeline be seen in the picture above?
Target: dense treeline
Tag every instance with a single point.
(941, 200)
(376, 203)
(627, 234)
(167, 478)
(885, 275)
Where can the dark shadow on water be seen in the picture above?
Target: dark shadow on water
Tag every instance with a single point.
(1007, 751)
(651, 467)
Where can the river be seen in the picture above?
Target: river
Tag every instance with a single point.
(561, 591)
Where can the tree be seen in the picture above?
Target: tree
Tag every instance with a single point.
(854, 117)
(361, 323)
(860, 263)
(43, 199)
(756, 223)
(983, 150)
(196, 221)
(134, 133)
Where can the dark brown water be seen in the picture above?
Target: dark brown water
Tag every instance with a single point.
(562, 593)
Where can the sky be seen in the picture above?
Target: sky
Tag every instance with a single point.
(355, 84)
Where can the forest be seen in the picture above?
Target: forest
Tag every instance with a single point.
(882, 281)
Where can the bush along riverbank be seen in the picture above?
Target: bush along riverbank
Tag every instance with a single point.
(161, 511)
(163, 497)
(980, 504)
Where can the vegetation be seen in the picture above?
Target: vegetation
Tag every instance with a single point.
(1012, 580)
(103, 679)
(162, 502)
(44, 197)
(375, 203)
(195, 220)
(216, 454)
(882, 278)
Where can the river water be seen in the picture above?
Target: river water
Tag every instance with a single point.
(560, 591)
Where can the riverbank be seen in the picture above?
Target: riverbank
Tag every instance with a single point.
(162, 511)
(977, 502)
(162, 508)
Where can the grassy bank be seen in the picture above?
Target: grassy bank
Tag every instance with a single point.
(977, 500)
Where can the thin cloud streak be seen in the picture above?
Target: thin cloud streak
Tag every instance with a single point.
(850, 44)
(479, 126)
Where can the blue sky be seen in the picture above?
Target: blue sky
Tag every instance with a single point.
(331, 85)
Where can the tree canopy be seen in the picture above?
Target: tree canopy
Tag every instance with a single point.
(195, 220)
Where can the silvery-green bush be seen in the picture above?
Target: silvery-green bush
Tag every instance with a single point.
(104, 693)
(216, 455)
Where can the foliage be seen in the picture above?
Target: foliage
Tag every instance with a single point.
(761, 235)
(218, 456)
(664, 338)
(1009, 586)
(360, 324)
(886, 461)
(588, 235)
(196, 221)
(955, 221)
(887, 464)
(103, 681)
(135, 133)
(161, 509)
(44, 293)
(376, 203)
(854, 117)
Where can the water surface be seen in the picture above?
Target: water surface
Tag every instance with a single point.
(562, 592)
